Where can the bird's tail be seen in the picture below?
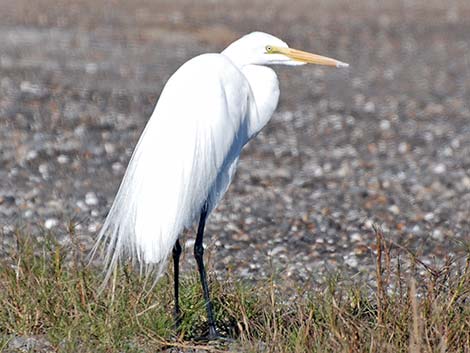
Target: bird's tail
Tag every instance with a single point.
(116, 239)
(149, 212)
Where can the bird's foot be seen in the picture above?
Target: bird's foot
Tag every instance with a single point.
(213, 334)
(216, 338)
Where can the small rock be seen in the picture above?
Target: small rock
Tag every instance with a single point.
(356, 237)
(369, 107)
(385, 125)
(51, 223)
(62, 159)
(437, 234)
(31, 155)
(117, 167)
(429, 216)
(466, 182)
(351, 261)
(93, 227)
(33, 89)
(43, 169)
(394, 209)
(80, 204)
(109, 148)
(439, 168)
(368, 224)
(361, 249)
(403, 147)
(91, 199)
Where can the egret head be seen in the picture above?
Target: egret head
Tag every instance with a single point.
(260, 48)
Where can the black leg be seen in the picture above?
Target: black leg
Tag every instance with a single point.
(198, 254)
(176, 266)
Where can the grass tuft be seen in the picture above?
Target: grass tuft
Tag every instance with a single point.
(47, 294)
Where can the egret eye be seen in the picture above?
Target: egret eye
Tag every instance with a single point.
(269, 49)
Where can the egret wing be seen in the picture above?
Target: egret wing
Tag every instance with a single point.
(185, 157)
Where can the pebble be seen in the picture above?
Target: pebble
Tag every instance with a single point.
(369, 107)
(368, 224)
(44, 170)
(82, 205)
(385, 124)
(32, 154)
(351, 260)
(466, 182)
(429, 216)
(394, 209)
(91, 199)
(439, 168)
(109, 148)
(117, 167)
(28, 87)
(51, 223)
(62, 159)
(403, 147)
(93, 227)
(438, 235)
(356, 237)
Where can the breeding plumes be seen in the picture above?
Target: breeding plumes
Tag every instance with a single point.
(187, 155)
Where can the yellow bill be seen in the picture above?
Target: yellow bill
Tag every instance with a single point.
(309, 58)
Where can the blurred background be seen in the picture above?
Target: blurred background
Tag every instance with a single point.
(386, 142)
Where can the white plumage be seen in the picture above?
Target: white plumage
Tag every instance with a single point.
(187, 155)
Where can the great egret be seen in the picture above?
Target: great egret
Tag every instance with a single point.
(187, 155)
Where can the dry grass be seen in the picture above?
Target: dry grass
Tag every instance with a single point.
(47, 292)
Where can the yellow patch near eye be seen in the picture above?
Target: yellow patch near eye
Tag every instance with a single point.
(269, 49)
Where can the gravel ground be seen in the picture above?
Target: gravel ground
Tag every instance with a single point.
(385, 142)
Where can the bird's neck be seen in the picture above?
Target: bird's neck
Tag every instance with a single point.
(265, 88)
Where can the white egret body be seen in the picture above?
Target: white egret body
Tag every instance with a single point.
(187, 155)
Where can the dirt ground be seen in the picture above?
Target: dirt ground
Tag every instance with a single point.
(385, 142)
